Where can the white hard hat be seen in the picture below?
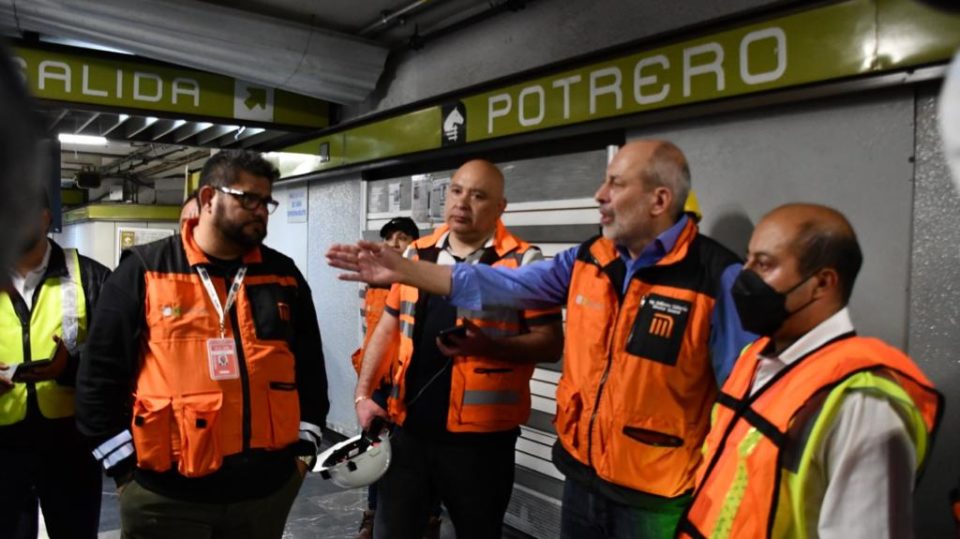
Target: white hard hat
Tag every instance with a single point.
(356, 462)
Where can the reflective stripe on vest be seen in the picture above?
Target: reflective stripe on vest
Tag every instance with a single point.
(486, 395)
(60, 309)
(784, 424)
(374, 302)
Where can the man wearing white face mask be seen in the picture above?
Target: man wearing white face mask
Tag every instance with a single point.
(817, 432)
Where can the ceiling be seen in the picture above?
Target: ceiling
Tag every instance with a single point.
(153, 152)
(390, 22)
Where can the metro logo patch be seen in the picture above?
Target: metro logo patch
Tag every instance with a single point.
(658, 329)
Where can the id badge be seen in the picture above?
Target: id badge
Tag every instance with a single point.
(222, 358)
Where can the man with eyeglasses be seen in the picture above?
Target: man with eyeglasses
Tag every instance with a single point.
(203, 389)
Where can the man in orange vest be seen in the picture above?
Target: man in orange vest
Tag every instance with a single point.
(458, 402)
(397, 234)
(817, 432)
(202, 387)
(651, 331)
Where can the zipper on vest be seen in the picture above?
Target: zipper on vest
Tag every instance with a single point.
(603, 383)
(244, 377)
(643, 301)
(26, 317)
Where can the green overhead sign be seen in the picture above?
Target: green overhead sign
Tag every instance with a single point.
(835, 41)
(115, 81)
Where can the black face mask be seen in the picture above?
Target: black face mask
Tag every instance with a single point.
(762, 309)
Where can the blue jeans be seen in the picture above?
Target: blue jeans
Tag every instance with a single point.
(589, 515)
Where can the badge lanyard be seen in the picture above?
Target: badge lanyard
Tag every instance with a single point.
(215, 298)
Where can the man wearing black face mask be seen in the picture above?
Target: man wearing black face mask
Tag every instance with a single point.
(44, 314)
(817, 432)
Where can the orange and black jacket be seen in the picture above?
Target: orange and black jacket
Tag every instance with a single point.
(146, 397)
(634, 400)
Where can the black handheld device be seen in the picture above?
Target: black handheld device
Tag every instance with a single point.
(458, 331)
(29, 367)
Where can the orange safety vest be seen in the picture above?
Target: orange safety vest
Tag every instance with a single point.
(181, 416)
(374, 301)
(486, 395)
(634, 399)
(758, 439)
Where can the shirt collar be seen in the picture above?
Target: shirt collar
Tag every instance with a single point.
(660, 246)
(829, 329)
(444, 244)
(38, 271)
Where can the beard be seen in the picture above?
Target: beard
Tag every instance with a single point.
(248, 233)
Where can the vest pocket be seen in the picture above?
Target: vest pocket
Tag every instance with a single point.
(652, 437)
(284, 405)
(200, 452)
(569, 408)
(272, 308)
(151, 432)
(659, 328)
(494, 396)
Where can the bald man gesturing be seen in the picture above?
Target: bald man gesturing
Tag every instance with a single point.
(651, 331)
(458, 402)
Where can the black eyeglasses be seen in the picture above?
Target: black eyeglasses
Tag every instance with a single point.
(250, 201)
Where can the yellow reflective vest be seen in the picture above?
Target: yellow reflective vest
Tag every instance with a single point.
(60, 309)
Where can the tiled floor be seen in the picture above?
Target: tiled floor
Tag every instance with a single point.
(322, 510)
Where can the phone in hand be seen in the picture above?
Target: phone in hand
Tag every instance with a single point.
(30, 367)
(458, 331)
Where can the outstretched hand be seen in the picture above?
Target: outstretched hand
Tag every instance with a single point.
(367, 262)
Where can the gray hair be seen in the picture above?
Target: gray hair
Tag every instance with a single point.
(668, 168)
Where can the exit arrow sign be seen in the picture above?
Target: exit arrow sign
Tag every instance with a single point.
(256, 97)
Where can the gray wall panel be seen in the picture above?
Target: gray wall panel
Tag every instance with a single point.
(935, 310)
(560, 177)
(335, 217)
(852, 153)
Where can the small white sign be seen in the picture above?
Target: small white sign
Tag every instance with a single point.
(297, 205)
(394, 197)
(420, 185)
(127, 237)
(252, 102)
(438, 196)
(378, 199)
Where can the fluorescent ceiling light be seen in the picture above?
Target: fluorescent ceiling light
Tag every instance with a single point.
(88, 140)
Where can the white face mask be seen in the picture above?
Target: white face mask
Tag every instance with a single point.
(950, 119)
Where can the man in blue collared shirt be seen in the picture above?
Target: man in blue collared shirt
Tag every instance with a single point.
(633, 399)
